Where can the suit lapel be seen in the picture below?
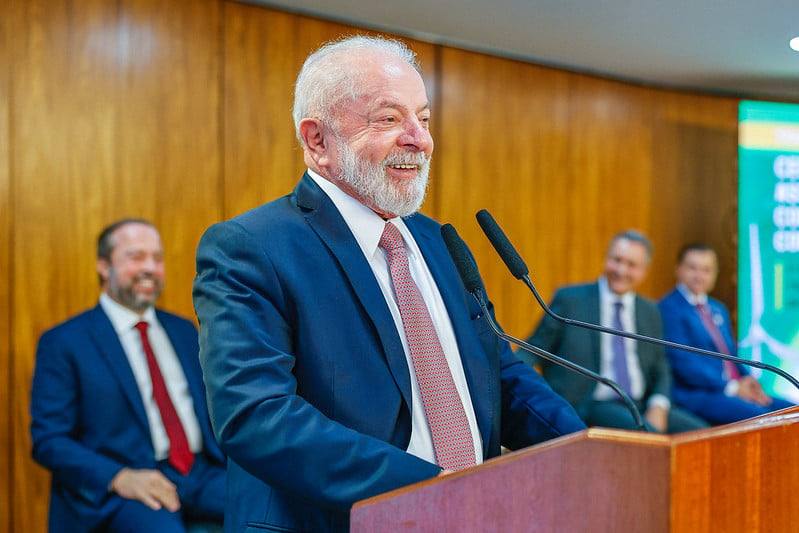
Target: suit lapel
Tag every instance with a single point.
(475, 364)
(187, 352)
(594, 317)
(323, 217)
(106, 341)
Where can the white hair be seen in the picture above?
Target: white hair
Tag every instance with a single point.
(326, 82)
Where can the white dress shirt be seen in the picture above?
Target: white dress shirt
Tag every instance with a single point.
(124, 321)
(367, 227)
(607, 301)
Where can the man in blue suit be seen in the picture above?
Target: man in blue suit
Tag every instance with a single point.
(309, 357)
(719, 391)
(129, 445)
(640, 368)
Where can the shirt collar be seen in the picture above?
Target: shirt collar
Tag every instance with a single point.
(628, 298)
(366, 225)
(122, 318)
(693, 299)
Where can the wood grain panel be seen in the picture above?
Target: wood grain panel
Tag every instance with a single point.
(736, 477)
(564, 161)
(502, 146)
(695, 184)
(610, 159)
(116, 114)
(180, 112)
(6, 280)
(264, 51)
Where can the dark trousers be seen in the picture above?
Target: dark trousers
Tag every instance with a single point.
(202, 499)
(614, 414)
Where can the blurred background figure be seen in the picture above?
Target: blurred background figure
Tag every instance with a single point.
(118, 406)
(717, 390)
(640, 368)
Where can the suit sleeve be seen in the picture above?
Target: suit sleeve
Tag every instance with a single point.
(690, 370)
(659, 380)
(56, 428)
(531, 411)
(247, 351)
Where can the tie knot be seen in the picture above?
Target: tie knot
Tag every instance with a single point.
(391, 238)
(619, 305)
(142, 326)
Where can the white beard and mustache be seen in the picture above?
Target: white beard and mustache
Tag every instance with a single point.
(373, 185)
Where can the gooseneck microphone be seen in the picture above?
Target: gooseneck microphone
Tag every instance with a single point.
(519, 270)
(474, 284)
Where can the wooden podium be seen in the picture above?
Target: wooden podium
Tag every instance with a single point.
(742, 477)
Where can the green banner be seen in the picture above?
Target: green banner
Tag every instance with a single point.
(768, 240)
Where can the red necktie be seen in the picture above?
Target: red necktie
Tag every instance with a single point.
(713, 330)
(180, 455)
(452, 437)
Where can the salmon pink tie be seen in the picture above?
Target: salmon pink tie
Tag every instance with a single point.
(730, 370)
(180, 455)
(452, 437)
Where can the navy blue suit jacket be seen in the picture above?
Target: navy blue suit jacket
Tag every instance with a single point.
(308, 383)
(88, 419)
(682, 324)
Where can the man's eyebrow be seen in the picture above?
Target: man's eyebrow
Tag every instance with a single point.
(393, 104)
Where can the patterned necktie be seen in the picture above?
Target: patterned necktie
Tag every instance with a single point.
(180, 455)
(620, 370)
(452, 437)
(730, 370)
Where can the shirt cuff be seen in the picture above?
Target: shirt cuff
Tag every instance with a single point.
(659, 400)
(731, 389)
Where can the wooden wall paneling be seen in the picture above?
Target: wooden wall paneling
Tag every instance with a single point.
(115, 113)
(171, 135)
(181, 112)
(696, 184)
(264, 51)
(261, 155)
(610, 156)
(6, 276)
(502, 146)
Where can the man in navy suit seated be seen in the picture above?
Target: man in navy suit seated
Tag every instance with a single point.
(717, 390)
(118, 404)
(325, 314)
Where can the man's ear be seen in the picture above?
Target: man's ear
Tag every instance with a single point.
(103, 269)
(312, 133)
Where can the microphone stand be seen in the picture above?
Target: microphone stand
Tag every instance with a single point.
(474, 284)
(562, 362)
(519, 269)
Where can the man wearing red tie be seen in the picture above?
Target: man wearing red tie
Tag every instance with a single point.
(118, 404)
(719, 391)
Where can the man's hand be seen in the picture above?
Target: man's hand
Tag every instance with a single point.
(150, 487)
(657, 417)
(749, 389)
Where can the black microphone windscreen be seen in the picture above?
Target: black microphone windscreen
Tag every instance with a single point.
(502, 244)
(460, 256)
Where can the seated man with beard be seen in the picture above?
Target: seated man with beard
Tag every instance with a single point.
(342, 355)
(118, 408)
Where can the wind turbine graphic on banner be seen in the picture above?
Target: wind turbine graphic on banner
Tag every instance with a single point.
(757, 336)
